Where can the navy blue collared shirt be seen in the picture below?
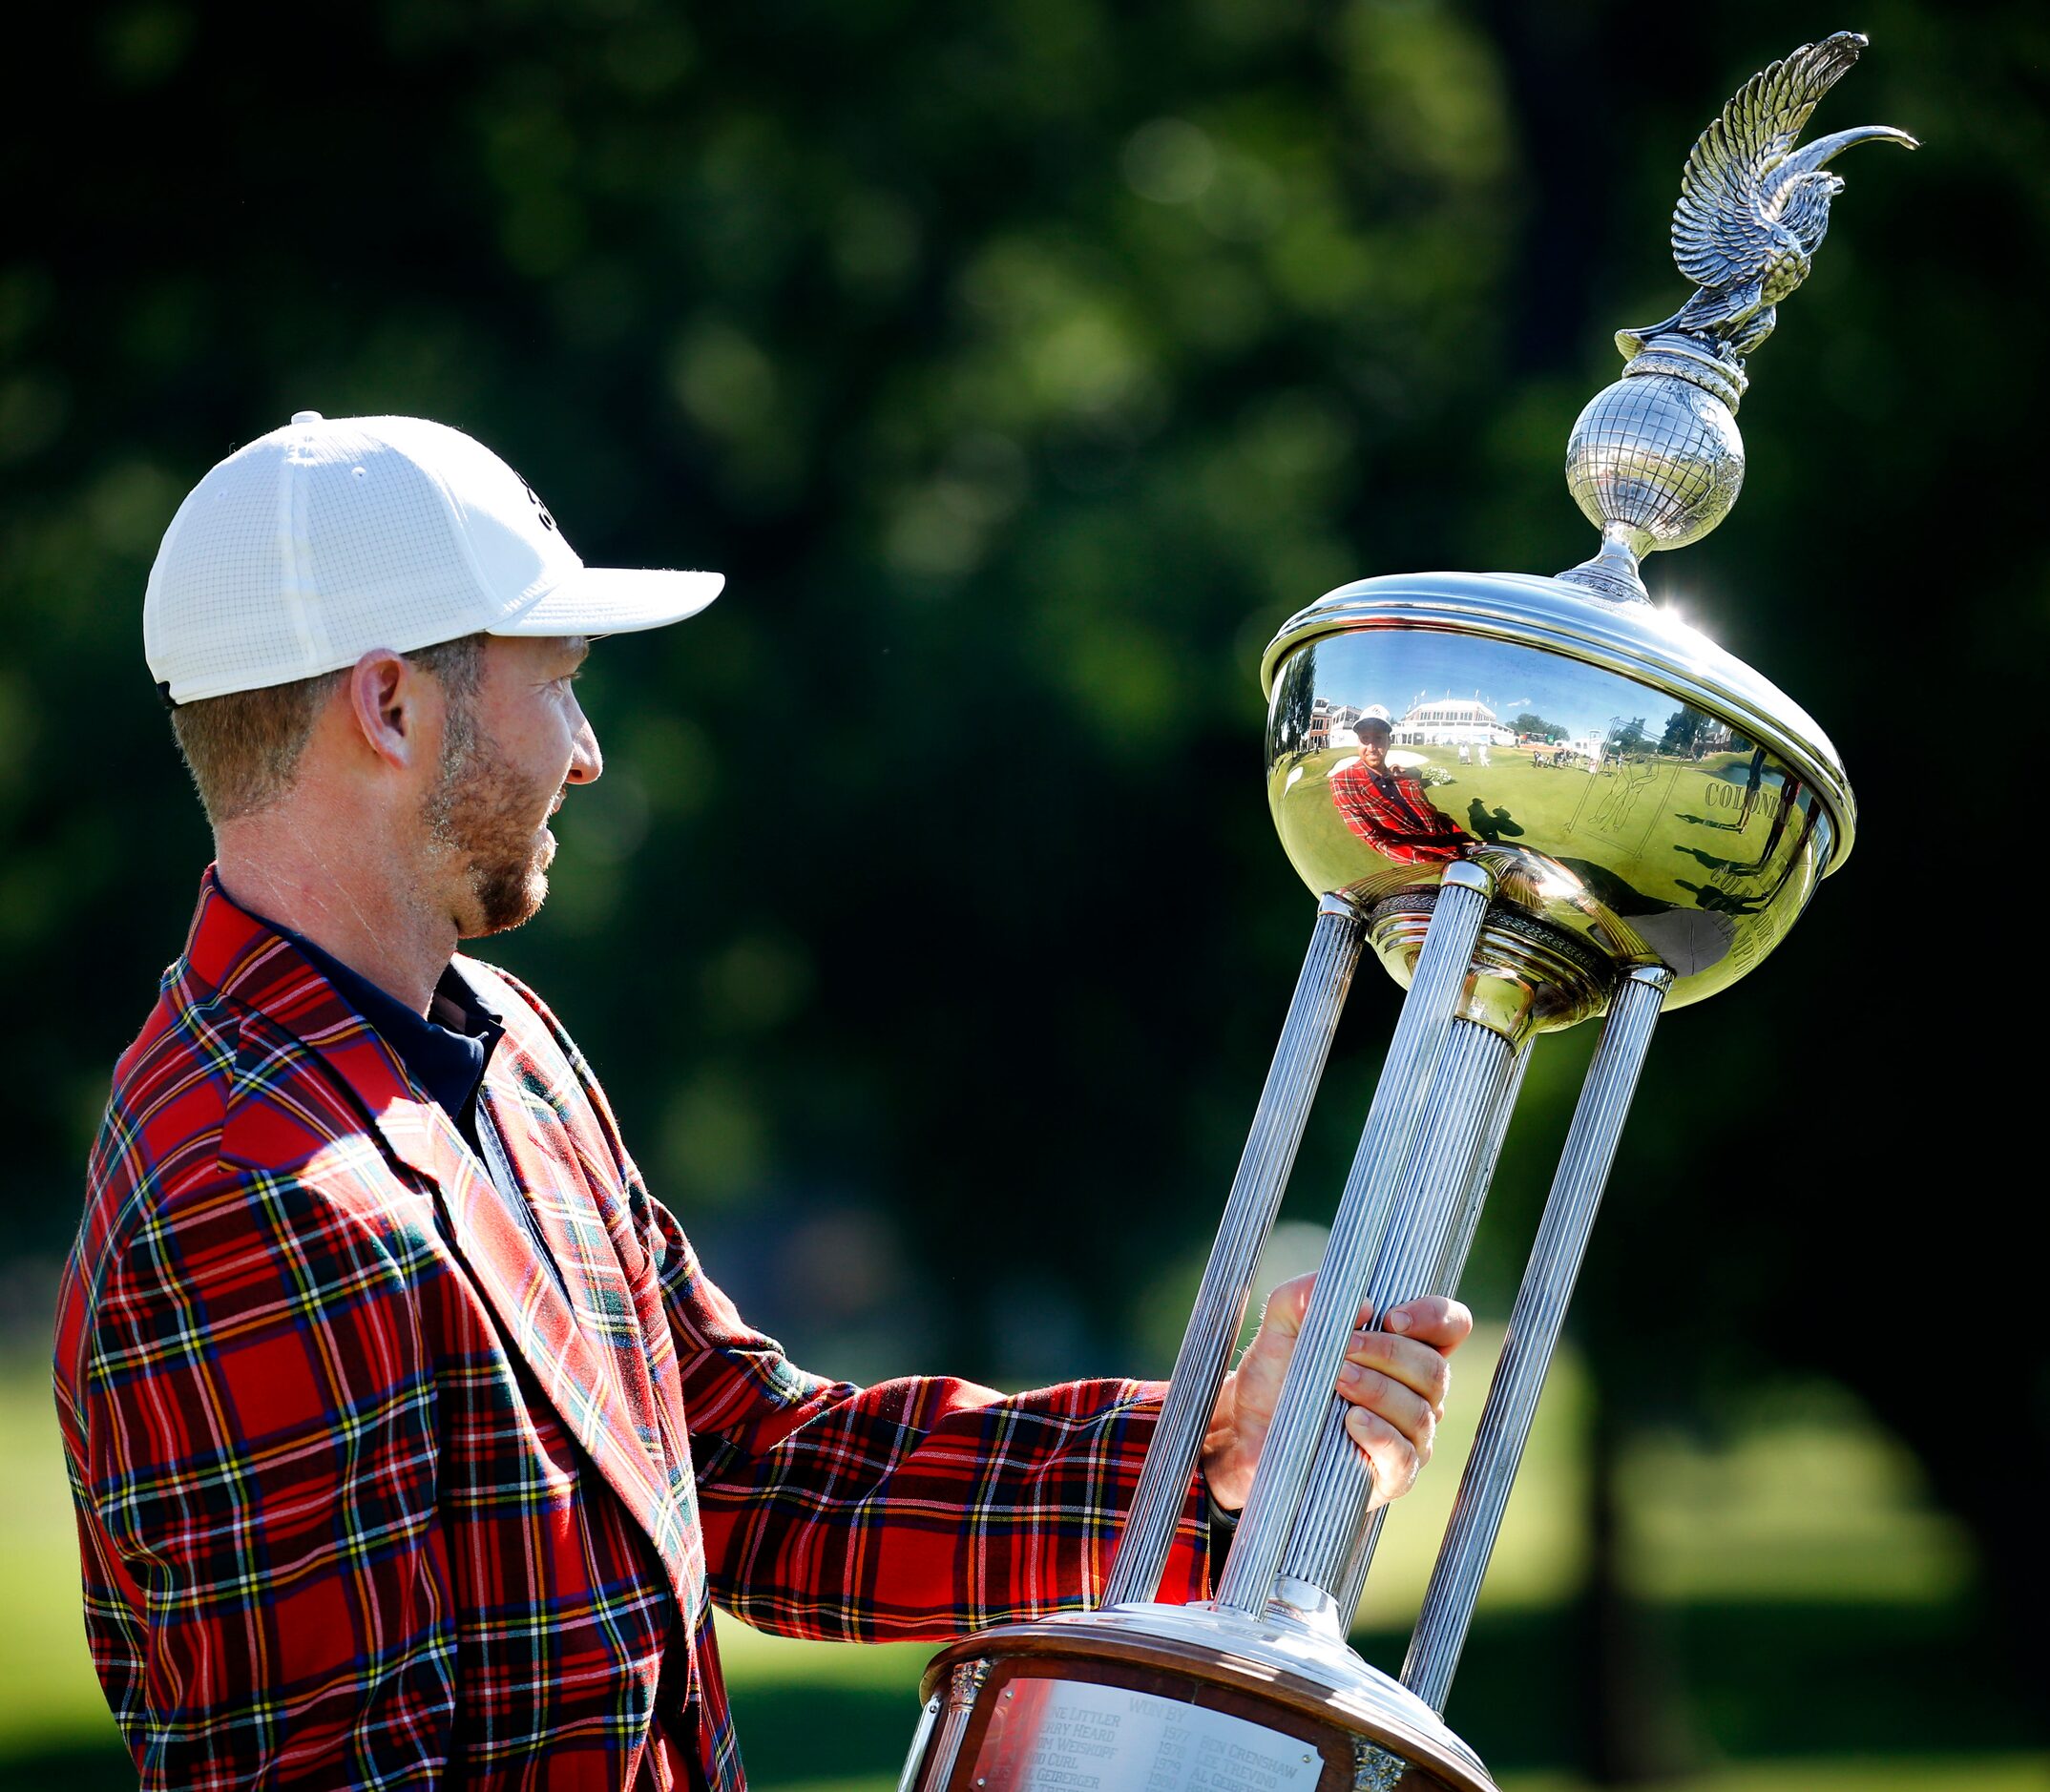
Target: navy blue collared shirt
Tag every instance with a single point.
(443, 1052)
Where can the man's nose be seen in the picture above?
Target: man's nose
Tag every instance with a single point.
(586, 762)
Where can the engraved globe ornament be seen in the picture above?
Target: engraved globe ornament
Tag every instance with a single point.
(1654, 461)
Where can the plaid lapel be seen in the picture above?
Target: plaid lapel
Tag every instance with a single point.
(592, 1387)
(572, 1188)
(542, 1317)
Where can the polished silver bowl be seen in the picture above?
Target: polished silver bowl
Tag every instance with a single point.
(1684, 821)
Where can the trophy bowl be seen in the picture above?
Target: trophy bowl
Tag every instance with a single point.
(1679, 812)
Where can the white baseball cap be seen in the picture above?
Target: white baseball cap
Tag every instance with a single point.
(324, 539)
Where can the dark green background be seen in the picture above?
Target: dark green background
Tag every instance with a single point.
(927, 927)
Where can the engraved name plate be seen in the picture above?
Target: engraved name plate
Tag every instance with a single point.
(1082, 1736)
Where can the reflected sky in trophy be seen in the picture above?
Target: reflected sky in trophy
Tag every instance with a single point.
(1655, 832)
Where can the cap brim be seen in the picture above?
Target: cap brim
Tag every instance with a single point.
(615, 600)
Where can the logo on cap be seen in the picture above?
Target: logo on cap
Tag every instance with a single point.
(546, 521)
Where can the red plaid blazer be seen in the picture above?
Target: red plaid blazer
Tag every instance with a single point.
(1393, 815)
(381, 1482)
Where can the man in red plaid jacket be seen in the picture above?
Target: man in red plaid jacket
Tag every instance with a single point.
(410, 1441)
(1385, 807)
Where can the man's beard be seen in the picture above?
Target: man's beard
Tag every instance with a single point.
(485, 813)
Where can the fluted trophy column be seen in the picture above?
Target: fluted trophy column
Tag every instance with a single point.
(1437, 1174)
(1466, 1221)
(1250, 1210)
(1518, 878)
(1356, 1233)
(1534, 1332)
(1445, 1281)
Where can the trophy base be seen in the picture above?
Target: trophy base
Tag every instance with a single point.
(1175, 1698)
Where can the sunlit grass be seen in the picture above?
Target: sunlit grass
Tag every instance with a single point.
(1820, 1506)
(751, 1658)
(48, 1692)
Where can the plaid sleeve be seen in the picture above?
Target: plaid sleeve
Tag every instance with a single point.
(912, 1510)
(266, 1596)
(1395, 818)
(915, 1510)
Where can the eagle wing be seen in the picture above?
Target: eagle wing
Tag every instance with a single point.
(1722, 232)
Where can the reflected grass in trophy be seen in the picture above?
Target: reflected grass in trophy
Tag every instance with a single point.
(1644, 848)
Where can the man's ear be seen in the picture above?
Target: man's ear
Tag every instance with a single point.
(386, 694)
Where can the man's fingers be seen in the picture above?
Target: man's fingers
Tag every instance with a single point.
(1415, 1366)
(1395, 1461)
(1287, 1305)
(1432, 1319)
(1409, 1412)
(1394, 1381)
(1441, 1323)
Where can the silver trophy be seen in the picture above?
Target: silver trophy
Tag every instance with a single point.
(1644, 852)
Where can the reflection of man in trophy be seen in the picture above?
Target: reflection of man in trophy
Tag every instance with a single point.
(1384, 803)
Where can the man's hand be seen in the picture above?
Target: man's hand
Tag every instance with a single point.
(1395, 1379)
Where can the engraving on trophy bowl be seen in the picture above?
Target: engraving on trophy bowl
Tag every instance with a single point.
(1049, 1732)
(1663, 807)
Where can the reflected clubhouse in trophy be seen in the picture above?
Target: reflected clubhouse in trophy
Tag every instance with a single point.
(1619, 819)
